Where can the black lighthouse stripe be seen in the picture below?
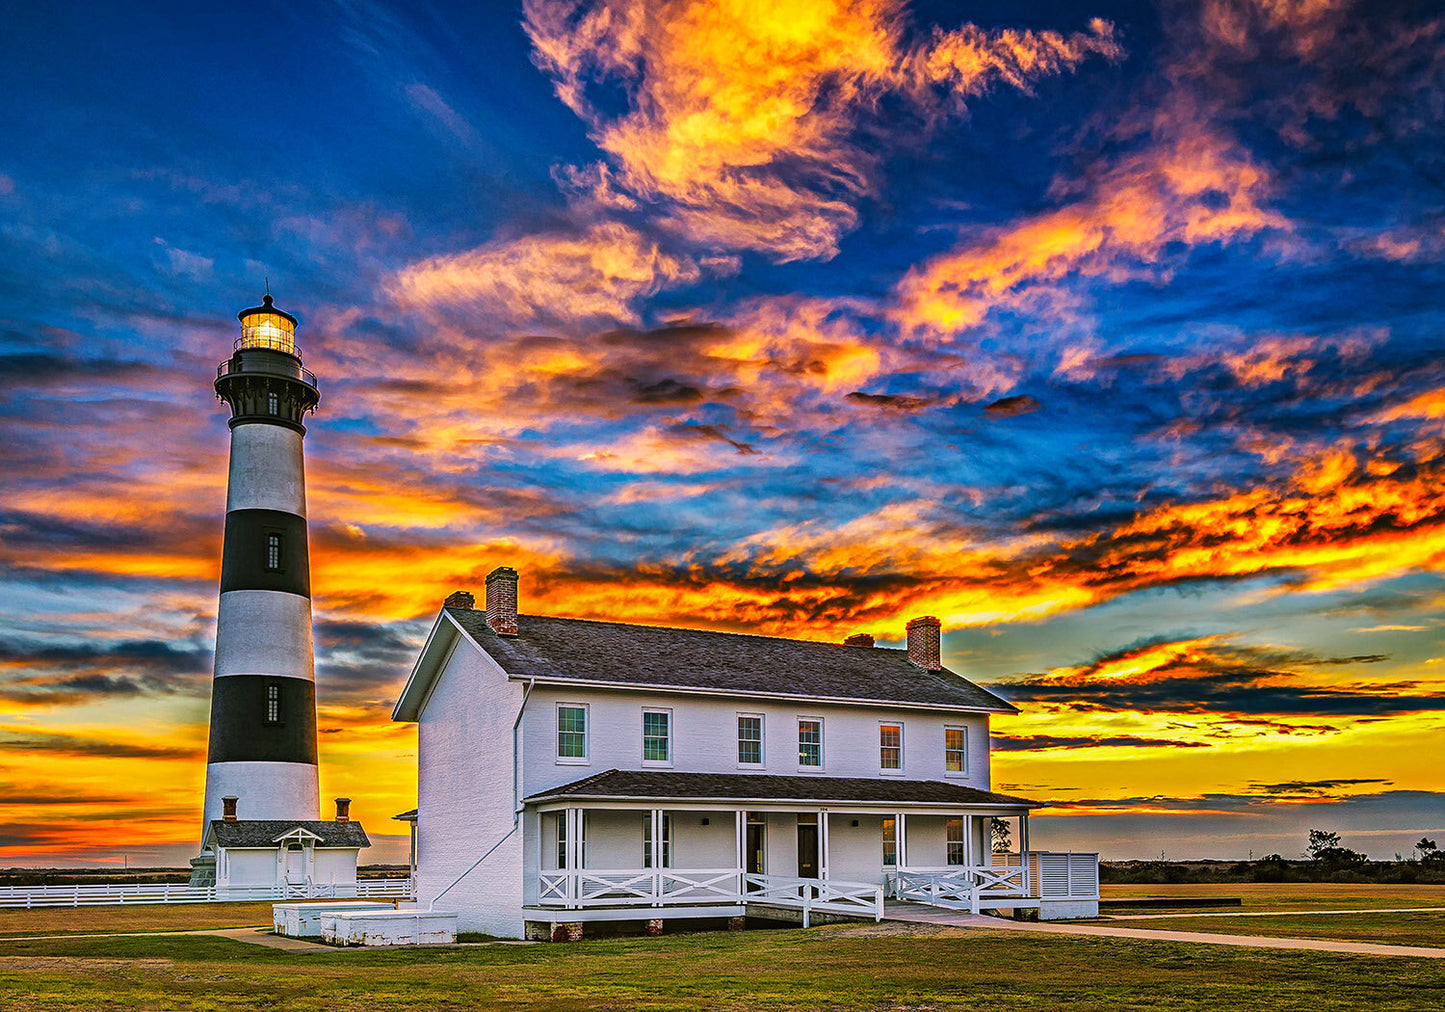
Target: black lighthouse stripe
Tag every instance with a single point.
(265, 550)
(263, 718)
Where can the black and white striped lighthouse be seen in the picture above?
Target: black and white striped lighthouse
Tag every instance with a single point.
(263, 697)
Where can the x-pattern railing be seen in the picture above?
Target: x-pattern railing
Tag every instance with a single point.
(661, 887)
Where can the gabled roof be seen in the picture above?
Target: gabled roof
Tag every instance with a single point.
(268, 833)
(582, 651)
(655, 785)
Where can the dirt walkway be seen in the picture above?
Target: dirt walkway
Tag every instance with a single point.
(930, 915)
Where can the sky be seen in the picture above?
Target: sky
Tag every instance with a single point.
(1109, 333)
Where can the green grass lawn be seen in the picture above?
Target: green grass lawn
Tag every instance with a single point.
(895, 968)
(1295, 895)
(135, 917)
(1395, 929)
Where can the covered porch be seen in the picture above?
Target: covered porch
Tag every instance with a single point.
(645, 845)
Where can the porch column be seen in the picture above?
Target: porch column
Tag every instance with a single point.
(572, 817)
(1024, 850)
(656, 856)
(900, 837)
(968, 844)
(823, 842)
(740, 831)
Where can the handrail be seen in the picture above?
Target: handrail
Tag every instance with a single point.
(232, 367)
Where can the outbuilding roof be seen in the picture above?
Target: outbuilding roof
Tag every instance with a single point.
(266, 833)
(655, 785)
(618, 653)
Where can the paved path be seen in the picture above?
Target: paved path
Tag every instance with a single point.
(933, 915)
(1276, 913)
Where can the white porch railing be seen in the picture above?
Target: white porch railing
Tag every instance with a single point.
(147, 893)
(1045, 875)
(591, 888)
(861, 899)
(638, 887)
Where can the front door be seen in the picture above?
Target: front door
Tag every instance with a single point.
(295, 865)
(808, 846)
(757, 846)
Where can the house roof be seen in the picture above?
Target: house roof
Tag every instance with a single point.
(616, 653)
(266, 833)
(619, 785)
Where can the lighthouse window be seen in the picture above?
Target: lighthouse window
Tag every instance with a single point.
(271, 404)
(273, 553)
(273, 703)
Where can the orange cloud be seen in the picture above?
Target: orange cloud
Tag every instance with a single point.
(742, 114)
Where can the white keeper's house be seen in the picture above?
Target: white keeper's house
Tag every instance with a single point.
(572, 771)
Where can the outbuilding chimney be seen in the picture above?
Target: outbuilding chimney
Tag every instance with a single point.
(923, 643)
(343, 809)
(859, 640)
(460, 599)
(502, 601)
(228, 809)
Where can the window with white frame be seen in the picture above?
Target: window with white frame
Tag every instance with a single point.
(810, 742)
(572, 732)
(666, 821)
(956, 849)
(890, 840)
(890, 747)
(657, 736)
(955, 750)
(750, 739)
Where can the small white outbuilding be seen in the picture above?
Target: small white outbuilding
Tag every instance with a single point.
(299, 858)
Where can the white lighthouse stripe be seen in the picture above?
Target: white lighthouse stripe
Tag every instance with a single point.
(264, 632)
(267, 471)
(265, 790)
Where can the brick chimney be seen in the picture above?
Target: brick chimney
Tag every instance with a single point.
(923, 643)
(859, 640)
(343, 806)
(502, 601)
(228, 809)
(460, 599)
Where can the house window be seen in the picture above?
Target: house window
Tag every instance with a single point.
(955, 749)
(647, 840)
(750, 739)
(273, 703)
(272, 404)
(890, 746)
(273, 552)
(572, 733)
(657, 736)
(955, 841)
(890, 840)
(810, 742)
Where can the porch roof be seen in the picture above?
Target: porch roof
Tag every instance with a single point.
(656, 785)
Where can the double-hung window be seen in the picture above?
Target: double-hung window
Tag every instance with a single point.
(666, 842)
(750, 739)
(562, 840)
(810, 742)
(890, 747)
(955, 750)
(571, 733)
(657, 736)
(273, 704)
(955, 841)
(273, 552)
(890, 840)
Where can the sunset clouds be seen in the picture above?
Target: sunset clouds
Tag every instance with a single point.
(1108, 335)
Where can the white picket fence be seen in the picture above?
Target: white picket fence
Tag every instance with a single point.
(144, 893)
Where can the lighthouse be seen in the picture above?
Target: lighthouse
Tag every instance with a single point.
(261, 762)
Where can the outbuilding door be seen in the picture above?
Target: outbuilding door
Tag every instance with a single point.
(295, 865)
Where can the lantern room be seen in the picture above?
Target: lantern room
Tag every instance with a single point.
(265, 326)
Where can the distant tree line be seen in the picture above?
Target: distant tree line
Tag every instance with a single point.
(1324, 860)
